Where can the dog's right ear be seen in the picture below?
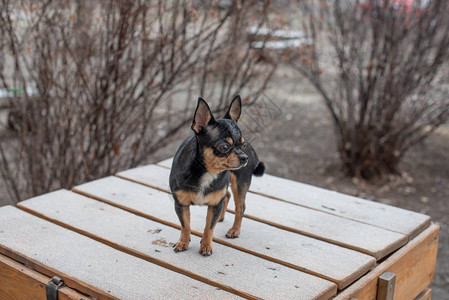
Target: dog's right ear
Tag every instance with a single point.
(203, 116)
(235, 109)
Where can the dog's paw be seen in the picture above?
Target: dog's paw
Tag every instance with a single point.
(233, 233)
(180, 246)
(206, 249)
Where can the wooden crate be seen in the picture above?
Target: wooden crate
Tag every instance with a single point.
(111, 239)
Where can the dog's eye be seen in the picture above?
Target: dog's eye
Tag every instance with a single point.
(223, 148)
(244, 145)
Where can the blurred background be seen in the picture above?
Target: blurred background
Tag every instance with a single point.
(351, 96)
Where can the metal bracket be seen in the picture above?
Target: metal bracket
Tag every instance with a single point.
(386, 285)
(52, 288)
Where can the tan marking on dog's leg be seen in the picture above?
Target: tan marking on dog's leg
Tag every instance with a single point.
(214, 198)
(184, 197)
(225, 206)
(239, 200)
(206, 241)
(184, 238)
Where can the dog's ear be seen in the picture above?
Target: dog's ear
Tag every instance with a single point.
(203, 116)
(235, 109)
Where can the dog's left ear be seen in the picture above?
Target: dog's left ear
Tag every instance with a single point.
(203, 116)
(235, 109)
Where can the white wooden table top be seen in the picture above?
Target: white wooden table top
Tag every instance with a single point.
(112, 237)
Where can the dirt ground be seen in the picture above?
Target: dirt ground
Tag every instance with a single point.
(294, 137)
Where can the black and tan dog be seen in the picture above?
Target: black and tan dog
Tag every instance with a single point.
(206, 162)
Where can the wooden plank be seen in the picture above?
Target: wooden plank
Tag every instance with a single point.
(370, 212)
(359, 236)
(151, 240)
(366, 211)
(151, 175)
(313, 256)
(413, 264)
(22, 283)
(166, 163)
(425, 295)
(89, 266)
(362, 237)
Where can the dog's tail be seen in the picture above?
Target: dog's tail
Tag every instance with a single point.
(259, 170)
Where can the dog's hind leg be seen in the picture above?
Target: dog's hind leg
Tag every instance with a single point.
(225, 205)
(239, 193)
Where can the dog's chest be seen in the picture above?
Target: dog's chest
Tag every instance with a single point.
(208, 192)
(205, 181)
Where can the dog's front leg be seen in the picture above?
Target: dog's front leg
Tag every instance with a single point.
(213, 213)
(183, 213)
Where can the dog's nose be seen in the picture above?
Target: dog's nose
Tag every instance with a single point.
(243, 158)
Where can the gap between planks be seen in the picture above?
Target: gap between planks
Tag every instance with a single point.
(199, 234)
(138, 254)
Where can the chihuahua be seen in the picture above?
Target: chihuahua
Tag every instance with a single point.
(213, 157)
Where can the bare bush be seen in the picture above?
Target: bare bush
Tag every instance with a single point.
(115, 80)
(377, 65)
